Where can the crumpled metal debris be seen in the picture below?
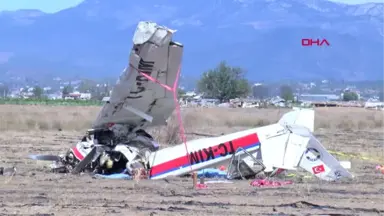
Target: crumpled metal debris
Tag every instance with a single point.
(211, 173)
(114, 176)
(380, 168)
(7, 171)
(269, 183)
(201, 186)
(137, 174)
(140, 173)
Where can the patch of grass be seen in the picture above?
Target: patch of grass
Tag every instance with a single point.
(205, 120)
(30, 118)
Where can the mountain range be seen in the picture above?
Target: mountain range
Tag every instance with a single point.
(94, 38)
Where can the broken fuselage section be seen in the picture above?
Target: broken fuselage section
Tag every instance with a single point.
(105, 152)
(118, 139)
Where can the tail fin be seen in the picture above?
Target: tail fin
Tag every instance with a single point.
(301, 117)
(317, 160)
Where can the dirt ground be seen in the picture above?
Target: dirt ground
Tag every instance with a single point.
(33, 190)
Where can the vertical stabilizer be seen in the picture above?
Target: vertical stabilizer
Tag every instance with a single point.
(301, 117)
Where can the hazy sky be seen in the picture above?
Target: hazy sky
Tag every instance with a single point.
(51, 6)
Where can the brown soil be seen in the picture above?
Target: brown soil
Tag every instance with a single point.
(33, 190)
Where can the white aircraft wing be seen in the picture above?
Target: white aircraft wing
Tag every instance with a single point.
(135, 99)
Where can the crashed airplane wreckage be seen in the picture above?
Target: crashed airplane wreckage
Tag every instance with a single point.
(142, 96)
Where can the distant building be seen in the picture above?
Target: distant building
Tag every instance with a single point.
(210, 100)
(85, 96)
(374, 105)
(74, 95)
(55, 96)
(277, 101)
(48, 88)
(318, 97)
(190, 94)
(78, 95)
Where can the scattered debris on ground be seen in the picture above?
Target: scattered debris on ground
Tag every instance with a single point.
(7, 171)
(269, 183)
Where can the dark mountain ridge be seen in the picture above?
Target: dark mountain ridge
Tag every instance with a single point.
(93, 39)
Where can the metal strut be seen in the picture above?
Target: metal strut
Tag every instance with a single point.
(229, 176)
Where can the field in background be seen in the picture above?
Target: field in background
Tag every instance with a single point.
(79, 118)
(197, 121)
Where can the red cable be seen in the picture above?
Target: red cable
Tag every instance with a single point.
(177, 106)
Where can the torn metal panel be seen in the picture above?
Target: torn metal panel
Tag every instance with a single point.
(154, 54)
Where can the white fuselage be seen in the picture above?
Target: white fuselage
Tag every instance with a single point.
(288, 144)
(208, 152)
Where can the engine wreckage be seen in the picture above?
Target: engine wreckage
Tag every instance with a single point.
(119, 143)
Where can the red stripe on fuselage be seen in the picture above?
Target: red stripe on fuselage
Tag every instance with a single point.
(218, 150)
(77, 154)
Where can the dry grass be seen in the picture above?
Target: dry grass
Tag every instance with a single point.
(201, 120)
(36, 117)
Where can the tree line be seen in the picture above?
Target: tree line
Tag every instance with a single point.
(225, 82)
